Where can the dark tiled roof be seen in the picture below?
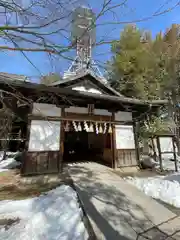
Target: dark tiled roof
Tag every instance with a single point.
(69, 92)
(73, 78)
(13, 77)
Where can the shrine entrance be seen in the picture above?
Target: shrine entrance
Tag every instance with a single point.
(87, 142)
(75, 146)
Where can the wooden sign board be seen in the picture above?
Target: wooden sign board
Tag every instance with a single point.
(124, 137)
(166, 144)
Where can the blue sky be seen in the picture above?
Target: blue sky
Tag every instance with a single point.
(42, 63)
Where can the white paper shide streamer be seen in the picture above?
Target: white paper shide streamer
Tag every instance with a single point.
(110, 128)
(86, 128)
(96, 127)
(75, 126)
(79, 127)
(105, 127)
(100, 128)
(91, 129)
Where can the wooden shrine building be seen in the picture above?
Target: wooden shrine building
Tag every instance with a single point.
(77, 119)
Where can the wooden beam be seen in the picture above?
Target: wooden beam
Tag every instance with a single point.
(23, 165)
(90, 109)
(174, 153)
(136, 140)
(153, 148)
(79, 117)
(62, 135)
(113, 144)
(159, 153)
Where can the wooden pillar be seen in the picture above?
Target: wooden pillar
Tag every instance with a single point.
(136, 140)
(61, 146)
(159, 153)
(28, 128)
(174, 153)
(23, 165)
(113, 144)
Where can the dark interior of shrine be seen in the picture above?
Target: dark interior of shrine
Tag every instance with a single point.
(85, 146)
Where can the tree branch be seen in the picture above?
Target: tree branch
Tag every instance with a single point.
(29, 49)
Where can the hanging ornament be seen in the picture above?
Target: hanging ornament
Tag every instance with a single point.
(100, 129)
(96, 126)
(66, 128)
(91, 129)
(86, 128)
(75, 126)
(79, 128)
(105, 127)
(110, 129)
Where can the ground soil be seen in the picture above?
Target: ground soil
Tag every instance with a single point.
(13, 188)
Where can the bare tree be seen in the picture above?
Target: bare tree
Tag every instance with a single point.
(35, 24)
(44, 26)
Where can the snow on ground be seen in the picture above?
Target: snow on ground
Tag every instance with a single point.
(167, 162)
(55, 215)
(160, 188)
(165, 188)
(168, 165)
(9, 162)
(8, 154)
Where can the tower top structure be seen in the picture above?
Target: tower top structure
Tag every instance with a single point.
(83, 39)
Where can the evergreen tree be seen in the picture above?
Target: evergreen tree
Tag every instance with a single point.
(148, 68)
(138, 64)
(129, 63)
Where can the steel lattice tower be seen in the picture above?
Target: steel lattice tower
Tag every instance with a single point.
(83, 38)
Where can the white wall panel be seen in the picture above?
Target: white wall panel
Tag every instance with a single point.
(123, 116)
(44, 136)
(76, 110)
(46, 110)
(124, 137)
(102, 112)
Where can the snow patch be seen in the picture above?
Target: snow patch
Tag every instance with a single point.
(167, 189)
(168, 162)
(55, 215)
(8, 164)
(8, 154)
